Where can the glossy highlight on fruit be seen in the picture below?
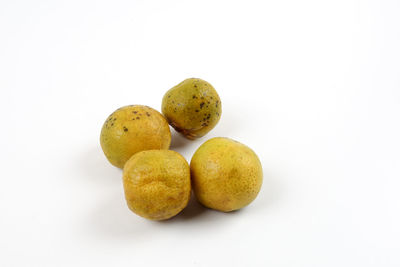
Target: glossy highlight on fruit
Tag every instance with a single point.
(157, 183)
(226, 175)
(192, 107)
(132, 129)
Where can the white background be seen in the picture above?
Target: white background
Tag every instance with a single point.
(312, 86)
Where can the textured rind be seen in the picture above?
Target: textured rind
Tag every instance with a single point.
(192, 107)
(226, 175)
(131, 129)
(157, 184)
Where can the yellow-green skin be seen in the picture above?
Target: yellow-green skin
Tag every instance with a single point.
(157, 184)
(131, 129)
(192, 107)
(226, 175)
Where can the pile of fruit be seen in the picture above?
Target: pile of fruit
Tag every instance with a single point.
(224, 174)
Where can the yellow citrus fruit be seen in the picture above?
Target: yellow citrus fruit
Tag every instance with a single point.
(131, 129)
(192, 107)
(157, 183)
(226, 175)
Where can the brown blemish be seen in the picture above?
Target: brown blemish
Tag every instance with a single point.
(125, 129)
(197, 110)
(201, 105)
(137, 118)
(148, 114)
(135, 111)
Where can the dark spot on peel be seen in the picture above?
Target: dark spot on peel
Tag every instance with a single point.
(197, 110)
(148, 114)
(125, 129)
(201, 105)
(135, 112)
(137, 118)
